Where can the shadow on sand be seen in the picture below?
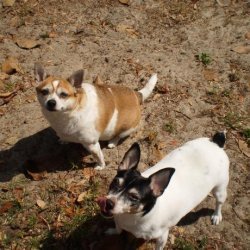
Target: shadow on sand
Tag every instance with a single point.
(41, 150)
(91, 235)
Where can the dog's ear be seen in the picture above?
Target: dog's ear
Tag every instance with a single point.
(131, 158)
(160, 180)
(39, 72)
(76, 78)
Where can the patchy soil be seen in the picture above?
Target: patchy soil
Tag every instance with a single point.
(200, 50)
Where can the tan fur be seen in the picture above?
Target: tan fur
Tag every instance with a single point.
(125, 101)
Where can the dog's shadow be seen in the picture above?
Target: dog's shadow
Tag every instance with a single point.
(192, 217)
(40, 152)
(91, 235)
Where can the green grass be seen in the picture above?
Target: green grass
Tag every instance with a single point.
(204, 58)
(169, 127)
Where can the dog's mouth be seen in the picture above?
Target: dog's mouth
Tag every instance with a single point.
(106, 213)
(51, 109)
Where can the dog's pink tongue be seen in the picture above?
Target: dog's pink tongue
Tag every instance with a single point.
(101, 201)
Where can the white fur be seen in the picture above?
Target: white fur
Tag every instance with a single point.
(201, 166)
(109, 131)
(147, 90)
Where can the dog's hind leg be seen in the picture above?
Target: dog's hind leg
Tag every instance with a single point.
(113, 142)
(220, 194)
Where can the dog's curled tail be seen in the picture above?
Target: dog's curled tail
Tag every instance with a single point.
(147, 90)
(219, 138)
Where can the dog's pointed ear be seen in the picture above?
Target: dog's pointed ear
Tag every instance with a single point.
(131, 158)
(76, 78)
(160, 180)
(39, 72)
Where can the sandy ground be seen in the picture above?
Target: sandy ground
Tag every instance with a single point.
(122, 44)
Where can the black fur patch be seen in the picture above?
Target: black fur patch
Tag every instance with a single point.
(132, 179)
(219, 138)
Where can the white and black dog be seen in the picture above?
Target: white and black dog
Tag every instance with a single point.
(149, 204)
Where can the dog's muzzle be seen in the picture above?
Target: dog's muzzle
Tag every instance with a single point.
(106, 205)
(51, 104)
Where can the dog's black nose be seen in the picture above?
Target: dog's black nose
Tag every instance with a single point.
(51, 104)
(109, 204)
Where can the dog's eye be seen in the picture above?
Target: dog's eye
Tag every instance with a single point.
(64, 95)
(133, 197)
(45, 91)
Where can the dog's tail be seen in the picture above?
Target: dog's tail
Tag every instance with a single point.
(147, 90)
(219, 138)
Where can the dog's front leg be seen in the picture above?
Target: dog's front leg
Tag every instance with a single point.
(96, 151)
(113, 231)
(161, 241)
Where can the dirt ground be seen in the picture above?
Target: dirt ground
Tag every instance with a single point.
(200, 50)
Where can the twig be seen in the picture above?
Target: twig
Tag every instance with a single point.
(177, 111)
(46, 222)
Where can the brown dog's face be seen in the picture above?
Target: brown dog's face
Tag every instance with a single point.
(57, 94)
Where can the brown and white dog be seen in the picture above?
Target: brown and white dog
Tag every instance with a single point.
(86, 113)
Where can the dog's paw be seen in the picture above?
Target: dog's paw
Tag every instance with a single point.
(111, 145)
(99, 167)
(112, 231)
(216, 218)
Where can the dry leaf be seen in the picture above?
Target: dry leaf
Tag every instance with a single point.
(123, 28)
(6, 206)
(33, 170)
(3, 76)
(52, 34)
(126, 2)
(25, 43)
(81, 196)
(41, 204)
(11, 65)
(210, 75)
(244, 148)
(242, 49)
(69, 211)
(88, 173)
(247, 35)
(8, 3)
(98, 80)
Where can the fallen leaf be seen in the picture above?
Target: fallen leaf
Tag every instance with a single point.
(88, 173)
(244, 148)
(81, 196)
(69, 211)
(242, 49)
(53, 35)
(126, 2)
(25, 43)
(3, 76)
(6, 206)
(247, 35)
(41, 204)
(98, 80)
(151, 135)
(123, 28)
(210, 75)
(8, 3)
(32, 169)
(11, 65)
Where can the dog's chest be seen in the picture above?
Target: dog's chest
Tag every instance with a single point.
(148, 227)
(76, 127)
